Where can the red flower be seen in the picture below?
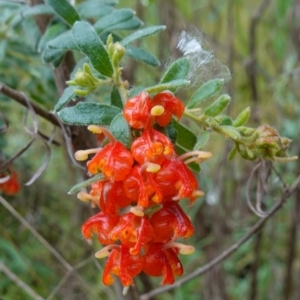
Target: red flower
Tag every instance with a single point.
(170, 223)
(113, 197)
(133, 232)
(176, 181)
(122, 264)
(162, 262)
(114, 161)
(152, 146)
(102, 225)
(140, 185)
(137, 111)
(11, 185)
(171, 105)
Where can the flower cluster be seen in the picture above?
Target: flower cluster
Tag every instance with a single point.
(140, 219)
(9, 183)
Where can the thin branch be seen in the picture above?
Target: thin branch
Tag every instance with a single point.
(201, 270)
(19, 282)
(21, 98)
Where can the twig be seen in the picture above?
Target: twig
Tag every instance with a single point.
(21, 98)
(19, 282)
(201, 270)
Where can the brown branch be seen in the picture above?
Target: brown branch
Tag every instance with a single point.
(21, 98)
(201, 270)
(19, 282)
(252, 63)
(255, 266)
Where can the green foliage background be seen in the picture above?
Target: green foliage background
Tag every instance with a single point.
(260, 269)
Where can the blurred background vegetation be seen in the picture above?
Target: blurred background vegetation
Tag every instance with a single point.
(260, 43)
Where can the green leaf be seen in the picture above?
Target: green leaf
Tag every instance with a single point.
(232, 153)
(90, 44)
(89, 113)
(130, 24)
(51, 32)
(172, 85)
(242, 118)
(217, 106)
(230, 131)
(193, 166)
(79, 186)
(142, 33)
(205, 91)
(54, 56)
(117, 16)
(121, 130)
(67, 95)
(185, 138)
(63, 41)
(115, 98)
(65, 10)
(171, 132)
(40, 9)
(142, 55)
(202, 139)
(178, 70)
(93, 9)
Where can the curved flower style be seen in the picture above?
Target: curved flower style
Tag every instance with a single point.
(152, 146)
(114, 161)
(171, 105)
(162, 262)
(122, 264)
(137, 111)
(133, 232)
(170, 223)
(102, 225)
(113, 197)
(176, 181)
(140, 185)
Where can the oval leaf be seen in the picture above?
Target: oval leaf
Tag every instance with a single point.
(90, 44)
(130, 24)
(40, 9)
(242, 118)
(67, 95)
(116, 17)
(142, 33)
(65, 10)
(142, 55)
(185, 138)
(121, 130)
(217, 106)
(115, 98)
(172, 86)
(63, 41)
(89, 113)
(178, 70)
(93, 9)
(51, 32)
(205, 91)
(202, 140)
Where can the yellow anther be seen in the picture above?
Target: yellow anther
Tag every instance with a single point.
(95, 129)
(198, 193)
(157, 110)
(85, 197)
(104, 252)
(183, 249)
(137, 210)
(152, 168)
(81, 155)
